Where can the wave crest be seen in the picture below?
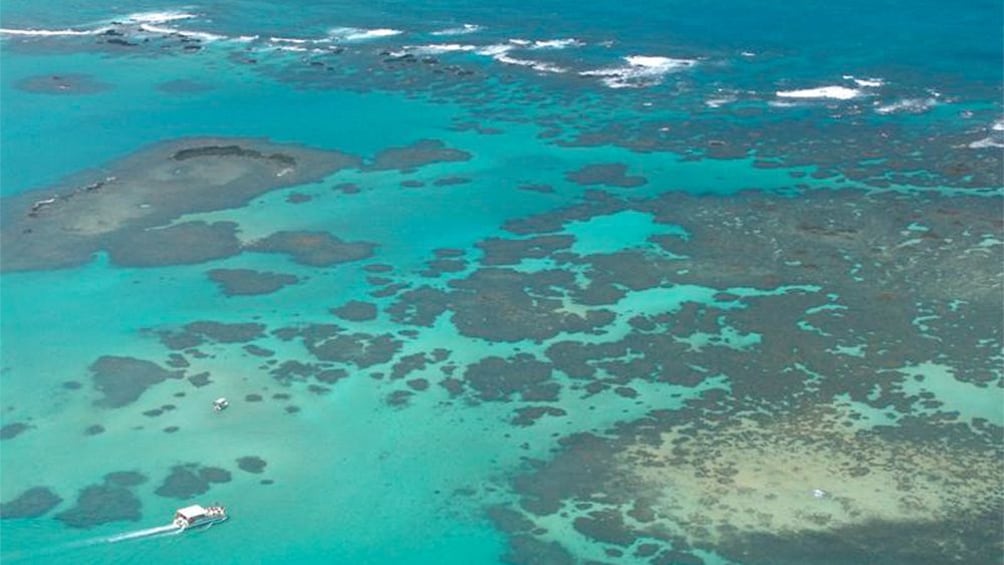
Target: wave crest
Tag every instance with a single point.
(641, 71)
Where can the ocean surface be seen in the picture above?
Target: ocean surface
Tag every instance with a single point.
(502, 282)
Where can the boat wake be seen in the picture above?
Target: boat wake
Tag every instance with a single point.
(35, 554)
(169, 529)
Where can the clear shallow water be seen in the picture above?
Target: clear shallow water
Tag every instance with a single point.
(363, 473)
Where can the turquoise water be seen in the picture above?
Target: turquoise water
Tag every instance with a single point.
(713, 181)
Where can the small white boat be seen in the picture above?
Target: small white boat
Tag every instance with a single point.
(195, 516)
(220, 404)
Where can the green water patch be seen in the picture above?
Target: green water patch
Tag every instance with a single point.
(969, 400)
(606, 234)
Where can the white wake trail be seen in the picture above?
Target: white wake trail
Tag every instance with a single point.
(149, 532)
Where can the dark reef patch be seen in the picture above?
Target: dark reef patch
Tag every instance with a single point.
(200, 380)
(331, 343)
(180, 339)
(100, 504)
(31, 503)
(610, 174)
(356, 311)
(214, 475)
(233, 150)
(511, 251)
(14, 429)
(542, 188)
(177, 361)
(605, 526)
(243, 282)
(298, 198)
(418, 385)
(509, 305)
(498, 379)
(532, 551)
(408, 364)
(135, 199)
(418, 154)
(438, 267)
(451, 181)
(186, 481)
(898, 543)
(347, 188)
(251, 464)
(292, 370)
(399, 398)
(316, 249)
(258, 351)
(330, 375)
(122, 380)
(238, 332)
(63, 84)
(597, 203)
(419, 307)
(526, 416)
(125, 478)
(180, 244)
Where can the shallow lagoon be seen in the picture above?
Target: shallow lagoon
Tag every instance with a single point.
(583, 322)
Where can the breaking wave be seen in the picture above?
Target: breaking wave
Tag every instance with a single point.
(640, 71)
(462, 30)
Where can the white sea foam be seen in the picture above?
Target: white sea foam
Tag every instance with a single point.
(462, 30)
(660, 63)
(50, 32)
(986, 143)
(535, 65)
(494, 50)
(359, 34)
(153, 22)
(995, 139)
(641, 71)
(160, 17)
(295, 40)
(719, 101)
(500, 52)
(907, 106)
(440, 48)
(869, 82)
(556, 43)
(832, 92)
(202, 35)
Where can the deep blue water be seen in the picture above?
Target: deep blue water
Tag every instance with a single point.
(695, 99)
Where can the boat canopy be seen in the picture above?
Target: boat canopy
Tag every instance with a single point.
(191, 512)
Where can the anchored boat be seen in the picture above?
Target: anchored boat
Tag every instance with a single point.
(195, 516)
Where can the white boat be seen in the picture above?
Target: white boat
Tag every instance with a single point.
(220, 404)
(195, 516)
